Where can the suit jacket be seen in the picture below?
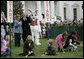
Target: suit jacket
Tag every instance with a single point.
(26, 26)
(28, 48)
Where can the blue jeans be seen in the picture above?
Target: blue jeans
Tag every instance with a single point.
(7, 53)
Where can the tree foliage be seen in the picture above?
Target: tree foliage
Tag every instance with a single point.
(4, 7)
(17, 7)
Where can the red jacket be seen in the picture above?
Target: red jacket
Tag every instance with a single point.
(75, 38)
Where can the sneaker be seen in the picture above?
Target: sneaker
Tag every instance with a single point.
(38, 43)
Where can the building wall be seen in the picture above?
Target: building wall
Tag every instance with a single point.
(31, 5)
(42, 6)
(73, 4)
(69, 5)
(56, 8)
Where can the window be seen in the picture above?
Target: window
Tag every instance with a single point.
(75, 13)
(64, 13)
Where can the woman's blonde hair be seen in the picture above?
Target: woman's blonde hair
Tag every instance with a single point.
(65, 34)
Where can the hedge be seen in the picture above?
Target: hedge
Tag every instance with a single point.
(56, 30)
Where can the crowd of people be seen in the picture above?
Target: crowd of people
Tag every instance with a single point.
(21, 30)
(68, 22)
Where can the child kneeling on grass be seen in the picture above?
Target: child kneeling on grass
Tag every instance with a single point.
(50, 49)
(28, 47)
(5, 51)
(60, 41)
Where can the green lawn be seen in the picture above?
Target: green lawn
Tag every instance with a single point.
(39, 50)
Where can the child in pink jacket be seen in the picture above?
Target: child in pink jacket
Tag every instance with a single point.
(5, 51)
(60, 41)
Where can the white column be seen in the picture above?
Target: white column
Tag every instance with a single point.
(39, 16)
(78, 12)
(61, 10)
(52, 12)
(51, 8)
(23, 2)
(80, 15)
(69, 12)
(45, 11)
(39, 10)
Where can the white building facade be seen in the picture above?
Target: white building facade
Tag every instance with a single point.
(64, 9)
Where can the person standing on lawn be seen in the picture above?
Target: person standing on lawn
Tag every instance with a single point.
(3, 19)
(7, 33)
(17, 30)
(50, 31)
(35, 26)
(60, 41)
(25, 26)
(5, 51)
(43, 31)
(2, 33)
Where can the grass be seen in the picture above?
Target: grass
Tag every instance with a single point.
(39, 50)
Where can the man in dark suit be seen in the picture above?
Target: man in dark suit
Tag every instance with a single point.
(25, 27)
